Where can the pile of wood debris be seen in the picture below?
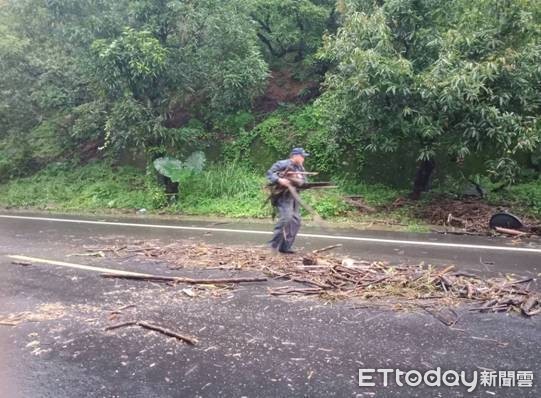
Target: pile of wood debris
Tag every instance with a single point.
(467, 216)
(332, 277)
(472, 215)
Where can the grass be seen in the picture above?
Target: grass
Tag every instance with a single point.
(92, 187)
(525, 196)
(229, 190)
(225, 190)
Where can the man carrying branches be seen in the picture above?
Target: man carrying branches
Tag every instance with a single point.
(285, 176)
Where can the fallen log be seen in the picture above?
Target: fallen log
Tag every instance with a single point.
(156, 328)
(177, 279)
(508, 231)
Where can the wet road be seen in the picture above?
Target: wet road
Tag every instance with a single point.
(251, 344)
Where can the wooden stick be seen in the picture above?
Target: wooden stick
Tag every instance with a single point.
(167, 332)
(120, 325)
(126, 307)
(356, 203)
(520, 281)
(306, 173)
(23, 263)
(306, 206)
(161, 278)
(442, 273)
(296, 279)
(156, 328)
(442, 319)
(327, 248)
(289, 290)
(466, 274)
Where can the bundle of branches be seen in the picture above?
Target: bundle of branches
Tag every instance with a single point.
(277, 190)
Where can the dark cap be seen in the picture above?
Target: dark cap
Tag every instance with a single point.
(299, 151)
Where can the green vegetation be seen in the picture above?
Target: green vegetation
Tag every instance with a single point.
(525, 196)
(453, 77)
(232, 191)
(92, 187)
(391, 97)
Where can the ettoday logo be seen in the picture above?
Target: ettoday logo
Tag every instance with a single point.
(449, 378)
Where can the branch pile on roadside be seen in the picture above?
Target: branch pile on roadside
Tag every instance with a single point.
(467, 216)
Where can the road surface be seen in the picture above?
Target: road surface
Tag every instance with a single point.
(250, 344)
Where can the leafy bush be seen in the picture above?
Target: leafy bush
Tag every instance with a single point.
(94, 186)
(282, 130)
(176, 169)
(373, 194)
(327, 204)
(231, 190)
(527, 196)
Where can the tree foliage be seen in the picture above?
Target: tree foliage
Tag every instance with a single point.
(456, 77)
(448, 79)
(129, 63)
(291, 26)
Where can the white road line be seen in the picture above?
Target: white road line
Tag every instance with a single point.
(317, 236)
(77, 266)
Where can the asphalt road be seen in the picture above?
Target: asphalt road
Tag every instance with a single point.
(250, 344)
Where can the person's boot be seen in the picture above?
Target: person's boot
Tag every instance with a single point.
(288, 251)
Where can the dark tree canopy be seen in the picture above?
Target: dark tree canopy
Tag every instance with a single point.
(447, 79)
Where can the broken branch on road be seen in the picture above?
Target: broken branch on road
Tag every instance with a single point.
(188, 339)
(178, 279)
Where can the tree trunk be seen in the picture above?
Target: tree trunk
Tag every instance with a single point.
(422, 178)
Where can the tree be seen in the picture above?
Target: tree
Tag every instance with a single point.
(201, 56)
(116, 69)
(291, 26)
(455, 77)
